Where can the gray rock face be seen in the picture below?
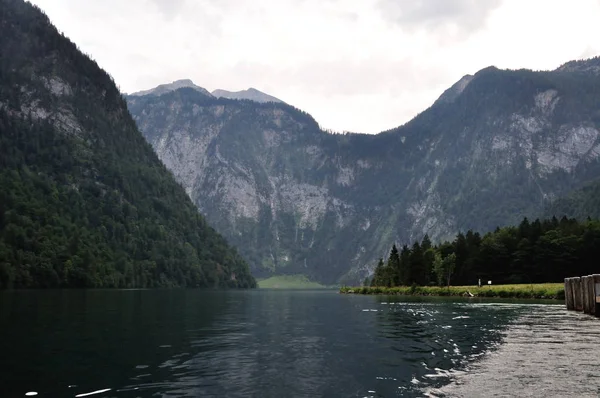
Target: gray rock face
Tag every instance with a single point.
(251, 94)
(457, 88)
(497, 146)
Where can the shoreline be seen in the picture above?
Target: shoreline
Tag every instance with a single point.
(553, 291)
(540, 356)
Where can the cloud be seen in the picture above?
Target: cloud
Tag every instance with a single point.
(170, 8)
(461, 16)
(356, 65)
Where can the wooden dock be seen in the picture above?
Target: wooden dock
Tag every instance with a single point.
(583, 294)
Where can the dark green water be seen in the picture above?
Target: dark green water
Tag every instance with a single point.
(262, 343)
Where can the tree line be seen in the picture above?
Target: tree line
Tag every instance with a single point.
(532, 252)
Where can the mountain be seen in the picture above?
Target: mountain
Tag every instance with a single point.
(456, 90)
(581, 203)
(177, 84)
(251, 94)
(497, 146)
(589, 66)
(84, 200)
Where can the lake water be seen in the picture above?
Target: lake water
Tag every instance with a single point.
(270, 343)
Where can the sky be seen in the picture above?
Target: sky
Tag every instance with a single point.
(355, 65)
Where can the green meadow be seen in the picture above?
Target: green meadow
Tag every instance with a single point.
(537, 290)
(289, 282)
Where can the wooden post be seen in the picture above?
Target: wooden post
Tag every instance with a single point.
(596, 280)
(591, 297)
(589, 281)
(585, 287)
(569, 294)
(577, 296)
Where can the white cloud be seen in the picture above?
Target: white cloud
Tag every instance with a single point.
(357, 65)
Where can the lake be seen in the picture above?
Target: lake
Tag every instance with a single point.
(275, 343)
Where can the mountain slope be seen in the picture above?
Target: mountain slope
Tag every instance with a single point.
(580, 203)
(251, 94)
(496, 147)
(84, 201)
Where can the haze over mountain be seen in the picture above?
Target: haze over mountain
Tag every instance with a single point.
(84, 201)
(496, 146)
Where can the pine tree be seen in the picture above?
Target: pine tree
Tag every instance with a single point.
(394, 267)
(378, 275)
(405, 266)
(417, 265)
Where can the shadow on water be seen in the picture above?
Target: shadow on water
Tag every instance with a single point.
(94, 339)
(264, 343)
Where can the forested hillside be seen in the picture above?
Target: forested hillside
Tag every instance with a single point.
(84, 201)
(580, 203)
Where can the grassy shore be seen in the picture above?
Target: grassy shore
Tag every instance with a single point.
(289, 282)
(538, 291)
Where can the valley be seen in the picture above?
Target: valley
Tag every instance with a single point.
(495, 147)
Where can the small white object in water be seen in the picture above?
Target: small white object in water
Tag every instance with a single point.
(92, 393)
(31, 393)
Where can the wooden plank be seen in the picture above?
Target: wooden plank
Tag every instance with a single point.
(596, 281)
(591, 294)
(585, 302)
(577, 295)
(569, 294)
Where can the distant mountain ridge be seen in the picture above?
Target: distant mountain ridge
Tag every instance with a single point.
(251, 94)
(495, 147)
(591, 65)
(177, 84)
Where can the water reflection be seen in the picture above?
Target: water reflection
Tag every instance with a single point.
(256, 343)
(434, 339)
(547, 353)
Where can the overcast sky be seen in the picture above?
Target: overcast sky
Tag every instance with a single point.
(355, 65)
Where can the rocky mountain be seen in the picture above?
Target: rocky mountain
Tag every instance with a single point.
(496, 146)
(251, 94)
(84, 200)
(589, 66)
(177, 84)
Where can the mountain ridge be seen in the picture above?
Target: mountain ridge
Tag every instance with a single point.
(295, 199)
(168, 87)
(251, 94)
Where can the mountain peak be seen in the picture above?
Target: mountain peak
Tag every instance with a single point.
(177, 84)
(455, 90)
(251, 94)
(590, 65)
